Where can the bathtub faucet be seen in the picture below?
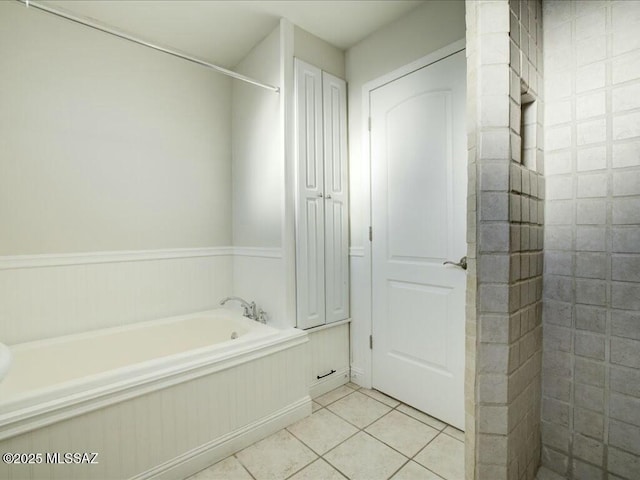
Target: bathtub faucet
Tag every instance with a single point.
(250, 309)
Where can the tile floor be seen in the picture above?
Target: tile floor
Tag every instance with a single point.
(353, 433)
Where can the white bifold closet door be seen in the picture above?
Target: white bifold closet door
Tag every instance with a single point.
(322, 266)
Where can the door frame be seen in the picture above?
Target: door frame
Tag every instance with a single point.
(366, 374)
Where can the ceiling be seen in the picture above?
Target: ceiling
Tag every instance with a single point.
(224, 32)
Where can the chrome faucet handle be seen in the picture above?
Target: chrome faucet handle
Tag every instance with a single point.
(249, 308)
(262, 316)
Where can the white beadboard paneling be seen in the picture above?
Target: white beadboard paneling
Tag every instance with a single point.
(329, 350)
(361, 321)
(52, 299)
(262, 279)
(205, 415)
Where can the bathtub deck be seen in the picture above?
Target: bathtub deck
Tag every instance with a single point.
(353, 433)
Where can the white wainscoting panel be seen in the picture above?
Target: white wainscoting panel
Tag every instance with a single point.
(360, 321)
(48, 296)
(329, 346)
(261, 278)
(177, 431)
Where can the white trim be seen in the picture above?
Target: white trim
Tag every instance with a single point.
(366, 371)
(211, 452)
(433, 57)
(257, 252)
(287, 109)
(327, 325)
(359, 377)
(60, 259)
(10, 262)
(356, 251)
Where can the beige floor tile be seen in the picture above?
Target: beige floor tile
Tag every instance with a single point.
(318, 470)
(355, 386)
(228, 469)
(402, 432)
(276, 457)
(423, 417)
(454, 432)
(413, 471)
(359, 409)
(315, 407)
(322, 431)
(333, 395)
(381, 397)
(364, 457)
(445, 456)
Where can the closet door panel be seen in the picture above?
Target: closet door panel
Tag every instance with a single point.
(310, 202)
(334, 98)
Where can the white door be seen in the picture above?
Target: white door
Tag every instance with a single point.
(322, 266)
(310, 196)
(336, 234)
(419, 188)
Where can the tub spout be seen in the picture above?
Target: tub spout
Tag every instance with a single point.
(250, 309)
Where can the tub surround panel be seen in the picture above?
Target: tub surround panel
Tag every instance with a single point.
(259, 279)
(50, 301)
(51, 295)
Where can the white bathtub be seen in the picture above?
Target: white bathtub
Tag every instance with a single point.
(54, 383)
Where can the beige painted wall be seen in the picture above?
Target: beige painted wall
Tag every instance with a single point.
(424, 30)
(107, 145)
(258, 162)
(316, 51)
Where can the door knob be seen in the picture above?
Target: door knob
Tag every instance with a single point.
(328, 196)
(462, 263)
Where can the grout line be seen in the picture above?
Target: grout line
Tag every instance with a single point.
(399, 468)
(241, 464)
(318, 456)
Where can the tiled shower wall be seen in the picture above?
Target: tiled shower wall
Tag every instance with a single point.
(591, 371)
(505, 155)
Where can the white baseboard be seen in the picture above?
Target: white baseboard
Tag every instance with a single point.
(205, 455)
(359, 377)
(324, 385)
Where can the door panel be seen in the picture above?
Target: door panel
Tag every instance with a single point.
(310, 215)
(336, 207)
(421, 162)
(419, 175)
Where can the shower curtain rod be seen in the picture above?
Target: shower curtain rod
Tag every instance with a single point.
(124, 36)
